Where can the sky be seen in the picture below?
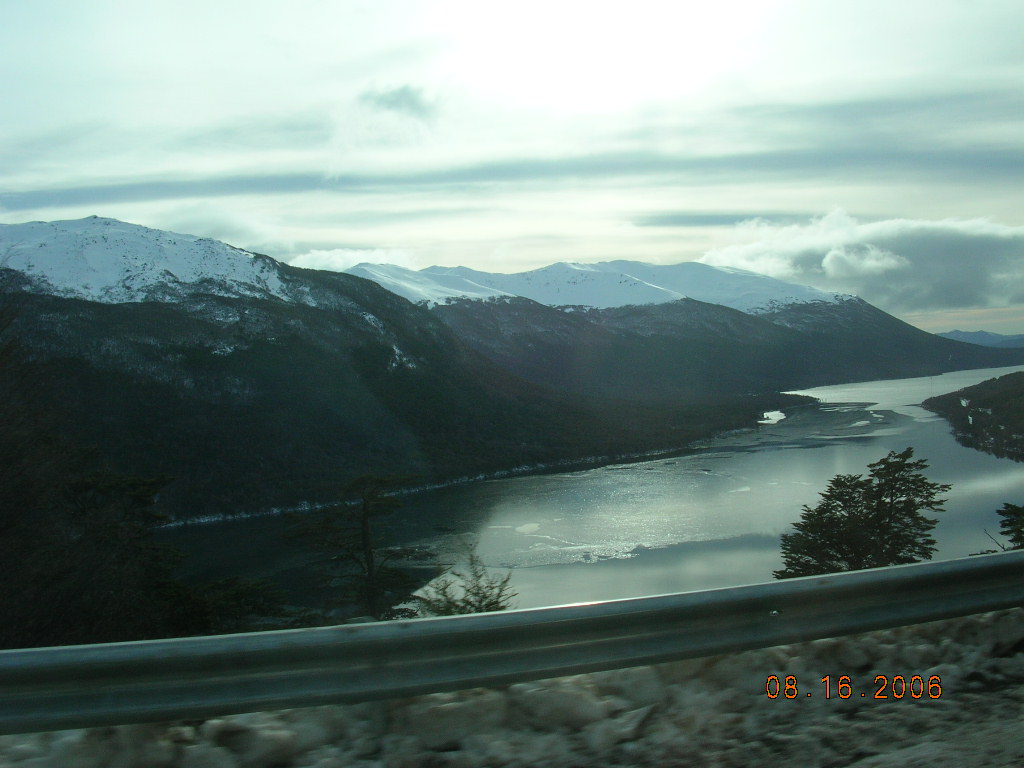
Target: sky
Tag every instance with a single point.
(869, 147)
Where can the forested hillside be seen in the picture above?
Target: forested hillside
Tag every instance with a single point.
(988, 416)
(250, 403)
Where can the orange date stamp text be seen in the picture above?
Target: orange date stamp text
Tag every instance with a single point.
(842, 687)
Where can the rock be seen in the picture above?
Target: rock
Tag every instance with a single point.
(557, 704)
(1006, 636)
(206, 756)
(928, 754)
(442, 720)
(601, 736)
(94, 748)
(491, 749)
(324, 757)
(851, 657)
(268, 748)
(316, 727)
(19, 753)
(640, 685)
(402, 752)
(546, 749)
(224, 732)
(256, 740)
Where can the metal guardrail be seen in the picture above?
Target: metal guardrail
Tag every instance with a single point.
(201, 677)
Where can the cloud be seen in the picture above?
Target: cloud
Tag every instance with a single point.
(227, 224)
(356, 134)
(714, 218)
(405, 99)
(340, 259)
(162, 189)
(901, 265)
(853, 261)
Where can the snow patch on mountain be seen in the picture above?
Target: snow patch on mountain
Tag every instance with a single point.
(602, 285)
(109, 261)
(426, 286)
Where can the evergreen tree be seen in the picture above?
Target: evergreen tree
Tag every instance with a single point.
(1012, 524)
(866, 522)
(469, 590)
(355, 561)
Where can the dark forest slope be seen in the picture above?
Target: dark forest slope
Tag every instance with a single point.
(988, 416)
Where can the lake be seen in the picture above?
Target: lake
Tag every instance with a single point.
(707, 519)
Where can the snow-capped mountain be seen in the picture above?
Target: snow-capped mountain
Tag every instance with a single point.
(253, 381)
(113, 262)
(603, 285)
(110, 261)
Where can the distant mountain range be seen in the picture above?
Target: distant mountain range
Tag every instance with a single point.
(259, 384)
(634, 330)
(985, 338)
(600, 286)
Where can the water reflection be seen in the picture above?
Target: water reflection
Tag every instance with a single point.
(704, 520)
(680, 567)
(712, 519)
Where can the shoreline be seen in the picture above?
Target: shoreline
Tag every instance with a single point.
(527, 470)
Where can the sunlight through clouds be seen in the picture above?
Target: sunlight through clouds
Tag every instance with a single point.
(540, 132)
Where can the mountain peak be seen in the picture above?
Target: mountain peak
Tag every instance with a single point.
(111, 261)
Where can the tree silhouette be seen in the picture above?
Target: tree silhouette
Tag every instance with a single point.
(1012, 524)
(470, 589)
(354, 560)
(866, 522)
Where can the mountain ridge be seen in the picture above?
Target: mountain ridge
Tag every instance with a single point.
(985, 338)
(261, 384)
(601, 285)
(110, 261)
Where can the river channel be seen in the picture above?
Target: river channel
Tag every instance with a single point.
(707, 519)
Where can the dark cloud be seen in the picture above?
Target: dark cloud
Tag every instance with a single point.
(169, 189)
(714, 218)
(900, 265)
(948, 267)
(877, 163)
(922, 115)
(405, 99)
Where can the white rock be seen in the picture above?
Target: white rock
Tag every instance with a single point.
(490, 749)
(640, 685)
(312, 733)
(94, 748)
(557, 704)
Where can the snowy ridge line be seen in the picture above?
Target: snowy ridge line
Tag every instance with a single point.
(202, 677)
(601, 285)
(110, 261)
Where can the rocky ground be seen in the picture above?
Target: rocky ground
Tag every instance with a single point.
(706, 712)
